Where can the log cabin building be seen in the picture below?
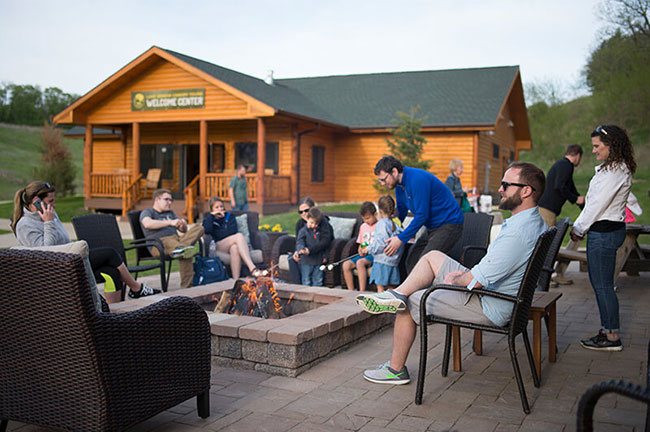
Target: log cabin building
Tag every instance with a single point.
(318, 137)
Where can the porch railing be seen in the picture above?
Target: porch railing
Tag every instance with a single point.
(191, 193)
(109, 185)
(277, 188)
(131, 195)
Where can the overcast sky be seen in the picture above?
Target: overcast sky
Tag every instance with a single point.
(75, 45)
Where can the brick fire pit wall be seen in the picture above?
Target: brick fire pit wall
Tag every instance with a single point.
(286, 346)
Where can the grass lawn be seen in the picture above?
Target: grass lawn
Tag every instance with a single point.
(131, 260)
(66, 208)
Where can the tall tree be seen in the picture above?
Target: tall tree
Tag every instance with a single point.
(407, 144)
(57, 167)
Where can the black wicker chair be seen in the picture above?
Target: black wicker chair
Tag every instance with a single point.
(66, 366)
(259, 240)
(589, 399)
(473, 243)
(545, 277)
(101, 230)
(517, 325)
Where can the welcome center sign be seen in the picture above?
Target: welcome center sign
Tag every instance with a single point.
(168, 99)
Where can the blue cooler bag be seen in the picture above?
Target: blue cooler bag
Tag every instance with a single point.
(208, 270)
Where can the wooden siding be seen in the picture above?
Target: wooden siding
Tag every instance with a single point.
(319, 191)
(163, 75)
(357, 155)
(503, 135)
(108, 155)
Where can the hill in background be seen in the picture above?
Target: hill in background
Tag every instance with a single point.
(20, 156)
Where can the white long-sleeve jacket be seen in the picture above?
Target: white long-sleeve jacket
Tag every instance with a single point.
(606, 197)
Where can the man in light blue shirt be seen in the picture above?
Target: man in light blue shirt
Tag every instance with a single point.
(501, 270)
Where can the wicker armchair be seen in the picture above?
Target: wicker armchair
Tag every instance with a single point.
(101, 230)
(545, 277)
(259, 240)
(517, 325)
(589, 399)
(64, 365)
(331, 278)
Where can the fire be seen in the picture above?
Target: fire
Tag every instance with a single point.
(252, 297)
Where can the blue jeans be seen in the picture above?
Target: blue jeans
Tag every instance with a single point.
(601, 262)
(311, 275)
(241, 207)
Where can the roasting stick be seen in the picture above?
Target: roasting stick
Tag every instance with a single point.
(331, 266)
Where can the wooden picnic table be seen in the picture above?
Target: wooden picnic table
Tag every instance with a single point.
(630, 257)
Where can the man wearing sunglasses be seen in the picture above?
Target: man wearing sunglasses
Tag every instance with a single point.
(431, 203)
(560, 187)
(500, 270)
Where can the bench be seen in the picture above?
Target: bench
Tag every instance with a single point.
(543, 306)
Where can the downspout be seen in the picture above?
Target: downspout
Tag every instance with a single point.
(300, 134)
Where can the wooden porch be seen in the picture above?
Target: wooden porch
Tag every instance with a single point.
(122, 191)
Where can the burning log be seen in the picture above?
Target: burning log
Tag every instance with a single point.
(252, 297)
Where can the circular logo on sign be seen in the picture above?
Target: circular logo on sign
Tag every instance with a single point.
(138, 101)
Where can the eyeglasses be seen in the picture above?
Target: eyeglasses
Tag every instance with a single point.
(302, 211)
(383, 180)
(601, 130)
(505, 185)
(168, 199)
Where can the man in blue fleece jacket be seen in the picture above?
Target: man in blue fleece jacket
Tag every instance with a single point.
(431, 203)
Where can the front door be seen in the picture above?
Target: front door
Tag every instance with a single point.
(190, 166)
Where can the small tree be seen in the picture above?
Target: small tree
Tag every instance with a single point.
(57, 168)
(407, 144)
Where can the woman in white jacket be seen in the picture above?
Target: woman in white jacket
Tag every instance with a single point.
(603, 218)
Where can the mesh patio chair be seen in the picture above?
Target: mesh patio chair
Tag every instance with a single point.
(590, 398)
(517, 325)
(66, 366)
(101, 230)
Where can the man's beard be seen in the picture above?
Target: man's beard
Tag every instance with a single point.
(510, 203)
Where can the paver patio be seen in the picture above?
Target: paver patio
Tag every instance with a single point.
(333, 396)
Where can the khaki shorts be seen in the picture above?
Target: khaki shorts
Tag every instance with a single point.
(449, 304)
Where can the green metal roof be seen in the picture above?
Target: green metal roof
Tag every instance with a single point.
(455, 97)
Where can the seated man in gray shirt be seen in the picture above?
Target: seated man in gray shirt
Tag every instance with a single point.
(162, 223)
(501, 270)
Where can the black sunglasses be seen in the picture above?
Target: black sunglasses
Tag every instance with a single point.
(302, 211)
(601, 130)
(505, 185)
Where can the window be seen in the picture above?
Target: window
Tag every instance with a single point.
(512, 156)
(246, 154)
(217, 158)
(157, 156)
(495, 151)
(318, 164)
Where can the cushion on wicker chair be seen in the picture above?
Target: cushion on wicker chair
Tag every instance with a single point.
(343, 227)
(242, 227)
(283, 262)
(79, 248)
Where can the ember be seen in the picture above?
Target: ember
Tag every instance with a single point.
(252, 297)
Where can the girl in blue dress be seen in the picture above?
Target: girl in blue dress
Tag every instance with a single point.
(385, 269)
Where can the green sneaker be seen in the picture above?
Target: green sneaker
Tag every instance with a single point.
(384, 374)
(387, 302)
(185, 252)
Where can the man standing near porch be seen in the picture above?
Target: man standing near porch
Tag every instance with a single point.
(161, 222)
(237, 190)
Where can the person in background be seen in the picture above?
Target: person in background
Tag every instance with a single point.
(385, 271)
(368, 213)
(35, 223)
(161, 222)
(312, 246)
(238, 190)
(500, 270)
(303, 208)
(603, 222)
(222, 226)
(431, 203)
(454, 185)
(560, 187)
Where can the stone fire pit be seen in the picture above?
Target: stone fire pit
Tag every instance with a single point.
(287, 346)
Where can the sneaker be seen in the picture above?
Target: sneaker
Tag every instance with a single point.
(389, 301)
(144, 291)
(384, 374)
(601, 343)
(185, 252)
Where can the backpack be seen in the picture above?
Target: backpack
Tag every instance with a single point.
(208, 270)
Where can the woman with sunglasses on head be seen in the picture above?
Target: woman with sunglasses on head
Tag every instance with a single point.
(35, 223)
(603, 221)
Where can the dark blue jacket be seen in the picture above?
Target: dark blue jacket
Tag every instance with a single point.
(220, 228)
(317, 240)
(430, 201)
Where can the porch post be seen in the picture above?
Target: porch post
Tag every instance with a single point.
(88, 160)
(135, 168)
(294, 164)
(203, 160)
(261, 160)
(123, 133)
